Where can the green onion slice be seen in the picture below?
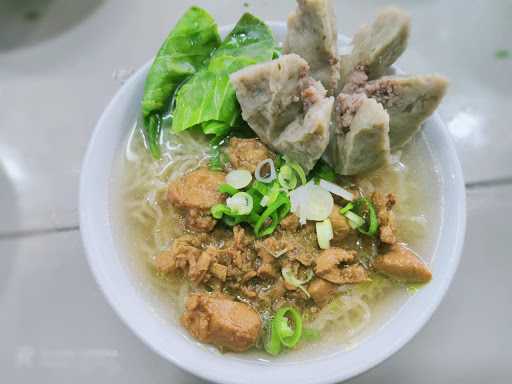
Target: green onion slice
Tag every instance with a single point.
(271, 196)
(274, 213)
(239, 178)
(324, 233)
(287, 178)
(290, 278)
(355, 221)
(227, 189)
(288, 336)
(285, 208)
(346, 208)
(281, 333)
(231, 221)
(272, 343)
(219, 210)
(273, 220)
(364, 206)
(297, 168)
(240, 204)
(272, 174)
(260, 187)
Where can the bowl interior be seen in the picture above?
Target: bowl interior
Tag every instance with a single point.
(170, 341)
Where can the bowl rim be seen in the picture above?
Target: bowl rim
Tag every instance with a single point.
(97, 238)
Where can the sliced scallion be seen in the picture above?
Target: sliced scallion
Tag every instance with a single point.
(298, 169)
(231, 221)
(240, 204)
(259, 169)
(311, 202)
(219, 210)
(272, 343)
(260, 187)
(346, 208)
(287, 178)
(285, 329)
(271, 196)
(263, 227)
(239, 178)
(336, 190)
(324, 233)
(273, 219)
(355, 221)
(227, 189)
(291, 279)
(364, 206)
(288, 336)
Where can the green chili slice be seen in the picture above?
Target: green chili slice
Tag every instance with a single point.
(280, 333)
(288, 336)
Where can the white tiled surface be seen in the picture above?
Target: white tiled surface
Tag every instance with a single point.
(57, 75)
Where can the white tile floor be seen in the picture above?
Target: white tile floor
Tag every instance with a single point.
(59, 67)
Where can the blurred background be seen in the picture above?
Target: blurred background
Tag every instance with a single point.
(61, 61)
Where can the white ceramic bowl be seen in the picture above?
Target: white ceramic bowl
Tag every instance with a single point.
(169, 340)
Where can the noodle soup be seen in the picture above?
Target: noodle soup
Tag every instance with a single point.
(146, 224)
(278, 197)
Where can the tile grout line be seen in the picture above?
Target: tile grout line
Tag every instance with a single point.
(474, 185)
(500, 182)
(23, 234)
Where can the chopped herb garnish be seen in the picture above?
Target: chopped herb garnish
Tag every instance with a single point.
(281, 333)
(365, 208)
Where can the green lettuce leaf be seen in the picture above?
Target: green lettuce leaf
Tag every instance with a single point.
(209, 95)
(186, 50)
(250, 37)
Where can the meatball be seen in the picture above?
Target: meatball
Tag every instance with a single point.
(336, 265)
(403, 264)
(322, 291)
(196, 193)
(198, 189)
(247, 153)
(340, 226)
(216, 319)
